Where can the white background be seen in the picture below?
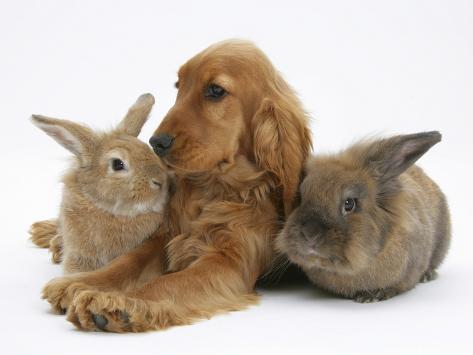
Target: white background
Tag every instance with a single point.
(360, 67)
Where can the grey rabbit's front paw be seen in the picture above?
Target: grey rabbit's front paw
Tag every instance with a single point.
(429, 276)
(375, 295)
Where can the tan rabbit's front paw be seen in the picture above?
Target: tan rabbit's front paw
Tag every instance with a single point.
(55, 247)
(42, 232)
(59, 292)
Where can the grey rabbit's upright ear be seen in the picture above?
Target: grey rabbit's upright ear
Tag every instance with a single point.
(137, 115)
(78, 139)
(388, 158)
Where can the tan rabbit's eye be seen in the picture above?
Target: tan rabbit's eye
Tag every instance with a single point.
(349, 205)
(118, 164)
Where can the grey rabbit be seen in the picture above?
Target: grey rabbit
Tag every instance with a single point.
(371, 224)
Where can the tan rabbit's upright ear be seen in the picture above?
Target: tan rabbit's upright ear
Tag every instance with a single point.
(137, 115)
(388, 158)
(78, 139)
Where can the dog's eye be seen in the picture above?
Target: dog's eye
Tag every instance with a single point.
(214, 92)
(349, 205)
(118, 165)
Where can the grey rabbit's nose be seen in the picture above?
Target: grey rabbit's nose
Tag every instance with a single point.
(306, 232)
(161, 143)
(310, 229)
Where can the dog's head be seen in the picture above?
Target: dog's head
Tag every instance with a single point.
(232, 101)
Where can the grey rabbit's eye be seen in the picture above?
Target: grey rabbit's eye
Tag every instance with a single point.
(118, 164)
(349, 205)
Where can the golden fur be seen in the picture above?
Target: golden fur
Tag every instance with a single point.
(238, 164)
(397, 234)
(104, 213)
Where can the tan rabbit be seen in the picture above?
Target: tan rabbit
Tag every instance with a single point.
(113, 196)
(370, 224)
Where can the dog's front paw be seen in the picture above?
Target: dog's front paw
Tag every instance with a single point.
(108, 311)
(120, 312)
(59, 292)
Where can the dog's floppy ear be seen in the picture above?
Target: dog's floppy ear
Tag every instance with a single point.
(281, 144)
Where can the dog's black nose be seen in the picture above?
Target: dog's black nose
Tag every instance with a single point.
(161, 143)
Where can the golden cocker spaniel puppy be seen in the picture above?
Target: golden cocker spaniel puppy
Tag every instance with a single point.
(237, 138)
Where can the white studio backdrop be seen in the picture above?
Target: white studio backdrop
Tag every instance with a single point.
(360, 67)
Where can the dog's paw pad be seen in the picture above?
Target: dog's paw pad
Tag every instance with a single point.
(100, 321)
(125, 317)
